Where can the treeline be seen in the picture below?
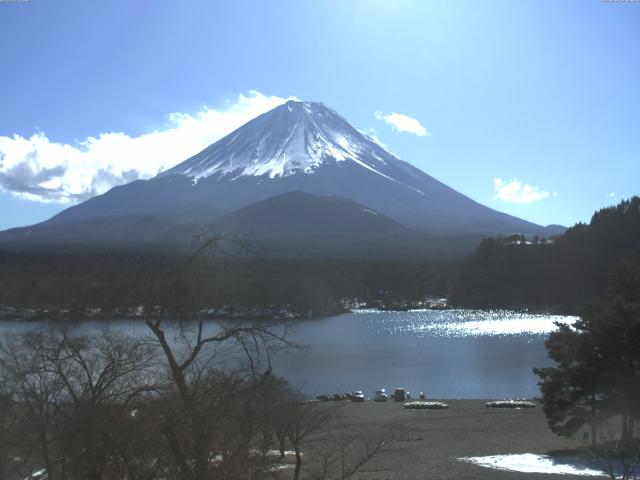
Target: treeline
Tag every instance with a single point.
(563, 274)
(184, 402)
(113, 281)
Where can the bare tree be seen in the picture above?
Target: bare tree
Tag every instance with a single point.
(308, 422)
(212, 400)
(12, 456)
(72, 392)
(216, 373)
(619, 459)
(347, 449)
(618, 452)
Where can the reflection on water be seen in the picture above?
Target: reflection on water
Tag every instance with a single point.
(446, 354)
(463, 323)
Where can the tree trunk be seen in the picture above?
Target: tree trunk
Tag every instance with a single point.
(594, 430)
(296, 473)
(625, 427)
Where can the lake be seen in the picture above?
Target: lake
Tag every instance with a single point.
(444, 353)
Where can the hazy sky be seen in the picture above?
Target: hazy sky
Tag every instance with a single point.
(532, 108)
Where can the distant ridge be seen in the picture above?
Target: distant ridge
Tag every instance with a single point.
(298, 222)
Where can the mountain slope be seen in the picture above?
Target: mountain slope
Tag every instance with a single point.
(291, 224)
(301, 223)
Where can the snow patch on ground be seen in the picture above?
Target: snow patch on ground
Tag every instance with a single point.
(532, 463)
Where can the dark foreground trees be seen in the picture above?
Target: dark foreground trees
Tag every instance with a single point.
(596, 381)
(70, 398)
(9, 429)
(191, 401)
(212, 403)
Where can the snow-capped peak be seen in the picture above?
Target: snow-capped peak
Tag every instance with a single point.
(294, 138)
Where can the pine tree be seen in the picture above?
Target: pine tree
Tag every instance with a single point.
(597, 372)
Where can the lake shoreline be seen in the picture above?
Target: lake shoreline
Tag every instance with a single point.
(228, 312)
(250, 312)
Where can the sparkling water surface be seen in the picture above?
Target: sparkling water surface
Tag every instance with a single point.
(444, 353)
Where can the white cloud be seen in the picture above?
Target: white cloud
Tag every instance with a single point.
(403, 123)
(39, 169)
(515, 191)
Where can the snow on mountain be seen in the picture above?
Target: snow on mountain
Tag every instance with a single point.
(295, 138)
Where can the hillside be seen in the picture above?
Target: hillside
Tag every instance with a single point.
(563, 274)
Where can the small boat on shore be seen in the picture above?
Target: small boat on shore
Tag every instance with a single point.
(511, 404)
(425, 405)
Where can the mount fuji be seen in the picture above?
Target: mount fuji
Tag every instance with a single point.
(297, 178)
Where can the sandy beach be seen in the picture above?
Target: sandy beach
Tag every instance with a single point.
(430, 441)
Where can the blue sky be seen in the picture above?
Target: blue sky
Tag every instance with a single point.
(529, 107)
